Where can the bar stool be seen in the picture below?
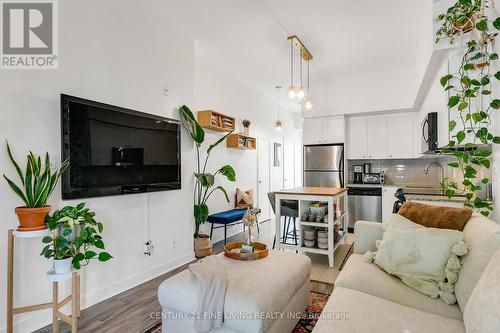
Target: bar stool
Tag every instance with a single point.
(290, 211)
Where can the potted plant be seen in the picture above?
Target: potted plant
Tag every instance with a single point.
(37, 184)
(76, 236)
(204, 181)
(472, 99)
(246, 127)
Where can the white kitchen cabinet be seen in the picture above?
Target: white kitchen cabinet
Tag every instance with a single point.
(376, 134)
(399, 136)
(333, 129)
(323, 130)
(388, 200)
(357, 140)
(312, 131)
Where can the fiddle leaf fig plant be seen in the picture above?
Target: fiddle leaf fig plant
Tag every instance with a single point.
(204, 180)
(471, 98)
(75, 234)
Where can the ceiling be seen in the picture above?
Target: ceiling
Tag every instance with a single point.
(247, 39)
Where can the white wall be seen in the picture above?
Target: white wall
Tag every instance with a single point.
(124, 53)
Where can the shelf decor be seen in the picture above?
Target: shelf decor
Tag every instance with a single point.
(216, 121)
(240, 141)
(471, 96)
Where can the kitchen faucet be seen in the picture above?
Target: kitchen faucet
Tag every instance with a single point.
(426, 170)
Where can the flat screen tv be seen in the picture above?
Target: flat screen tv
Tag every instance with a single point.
(113, 150)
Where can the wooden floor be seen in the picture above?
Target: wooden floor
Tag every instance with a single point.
(129, 312)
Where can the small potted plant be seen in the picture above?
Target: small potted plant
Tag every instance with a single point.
(37, 184)
(459, 18)
(246, 127)
(76, 236)
(204, 181)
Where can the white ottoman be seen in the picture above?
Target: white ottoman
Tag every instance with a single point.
(266, 295)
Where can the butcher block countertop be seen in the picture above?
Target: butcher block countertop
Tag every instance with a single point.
(322, 191)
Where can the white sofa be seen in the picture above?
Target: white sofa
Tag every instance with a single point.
(260, 289)
(366, 299)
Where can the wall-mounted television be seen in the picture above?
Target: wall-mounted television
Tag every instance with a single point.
(114, 150)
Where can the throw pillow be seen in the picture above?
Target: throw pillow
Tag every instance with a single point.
(244, 199)
(436, 216)
(482, 313)
(425, 259)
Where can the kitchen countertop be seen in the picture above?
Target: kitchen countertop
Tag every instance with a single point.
(321, 191)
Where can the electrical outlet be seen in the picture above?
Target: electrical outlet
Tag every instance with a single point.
(148, 248)
(165, 91)
(174, 243)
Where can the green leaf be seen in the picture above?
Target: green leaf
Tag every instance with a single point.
(482, 25)
(486, 163)
(495, 104)
(460, 136)
(205, 179)
(192, 126)
(485, 181)
(496, 139)
(494, 56)
(200, 213)
(476, 117)
(496, 23)
(90, 254)
(104, 256)
(468, 66)
(453, 164)
(497, 75)
(229, 172)
(445, 79)
(46, 239)
(18, 169)
(475, 83)
(462, 106)
(100, 227)
(16, 190)
(485, 80)
(453, 101)
(451, 125)
(216, 143)
(80, 206)
(99, 244)
(486, 92)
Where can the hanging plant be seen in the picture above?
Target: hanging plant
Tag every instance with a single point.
(471, 98)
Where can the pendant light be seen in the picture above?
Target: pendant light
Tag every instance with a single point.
(300, 92)
(291, 90)
(308, 105)
(278, 125)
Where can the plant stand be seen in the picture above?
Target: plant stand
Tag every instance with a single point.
(55, 304)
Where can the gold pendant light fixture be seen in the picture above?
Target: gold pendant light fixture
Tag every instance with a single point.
(278, 124)
(299, 93)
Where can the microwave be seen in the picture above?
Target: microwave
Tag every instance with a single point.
(430, 133)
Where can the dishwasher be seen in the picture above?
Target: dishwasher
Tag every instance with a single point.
(365, 203)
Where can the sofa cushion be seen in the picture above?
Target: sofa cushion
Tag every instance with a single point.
(483, 236)
(256, 286)
(436, 216)
(358, 274)
(421, 257)
(353, 311)
(482, 313)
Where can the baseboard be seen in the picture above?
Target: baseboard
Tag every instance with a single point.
(43, 318)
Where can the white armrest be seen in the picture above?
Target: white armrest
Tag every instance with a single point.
(365, 235)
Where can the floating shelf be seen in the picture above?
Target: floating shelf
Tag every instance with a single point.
(216, 121)
(240, 141)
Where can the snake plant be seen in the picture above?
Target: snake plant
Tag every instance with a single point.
(37, 181)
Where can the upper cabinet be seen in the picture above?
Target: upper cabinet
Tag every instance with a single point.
(382, 136)
(357, 138)
(323, 130)
(399, 140)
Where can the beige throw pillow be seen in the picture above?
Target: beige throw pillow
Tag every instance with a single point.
(482, 313)
(244, 199)
(423, 258)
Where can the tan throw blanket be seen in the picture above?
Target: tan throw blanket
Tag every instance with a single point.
(211, 277)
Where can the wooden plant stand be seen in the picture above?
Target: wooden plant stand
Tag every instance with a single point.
(55, 279)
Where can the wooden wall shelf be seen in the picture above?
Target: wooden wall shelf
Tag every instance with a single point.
(240, 141)
(216, 121)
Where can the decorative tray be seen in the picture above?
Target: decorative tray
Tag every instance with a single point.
(232, 250)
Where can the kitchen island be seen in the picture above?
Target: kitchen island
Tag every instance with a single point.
(336, 201)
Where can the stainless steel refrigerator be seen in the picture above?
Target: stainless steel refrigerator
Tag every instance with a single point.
(324, 165)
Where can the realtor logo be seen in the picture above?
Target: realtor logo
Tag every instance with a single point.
(29, 34)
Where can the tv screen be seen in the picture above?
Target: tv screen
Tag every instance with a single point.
(113, 150)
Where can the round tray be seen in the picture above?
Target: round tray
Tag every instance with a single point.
(231, 250)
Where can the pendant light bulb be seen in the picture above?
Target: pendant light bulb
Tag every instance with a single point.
(292, 93)
(301, 94)
(278, 125)
(308, 105)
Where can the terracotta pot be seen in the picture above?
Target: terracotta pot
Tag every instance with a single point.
(202, 246)
(31, 219)
(466, 25)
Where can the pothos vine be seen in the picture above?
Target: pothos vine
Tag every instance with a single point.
(471, 98)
